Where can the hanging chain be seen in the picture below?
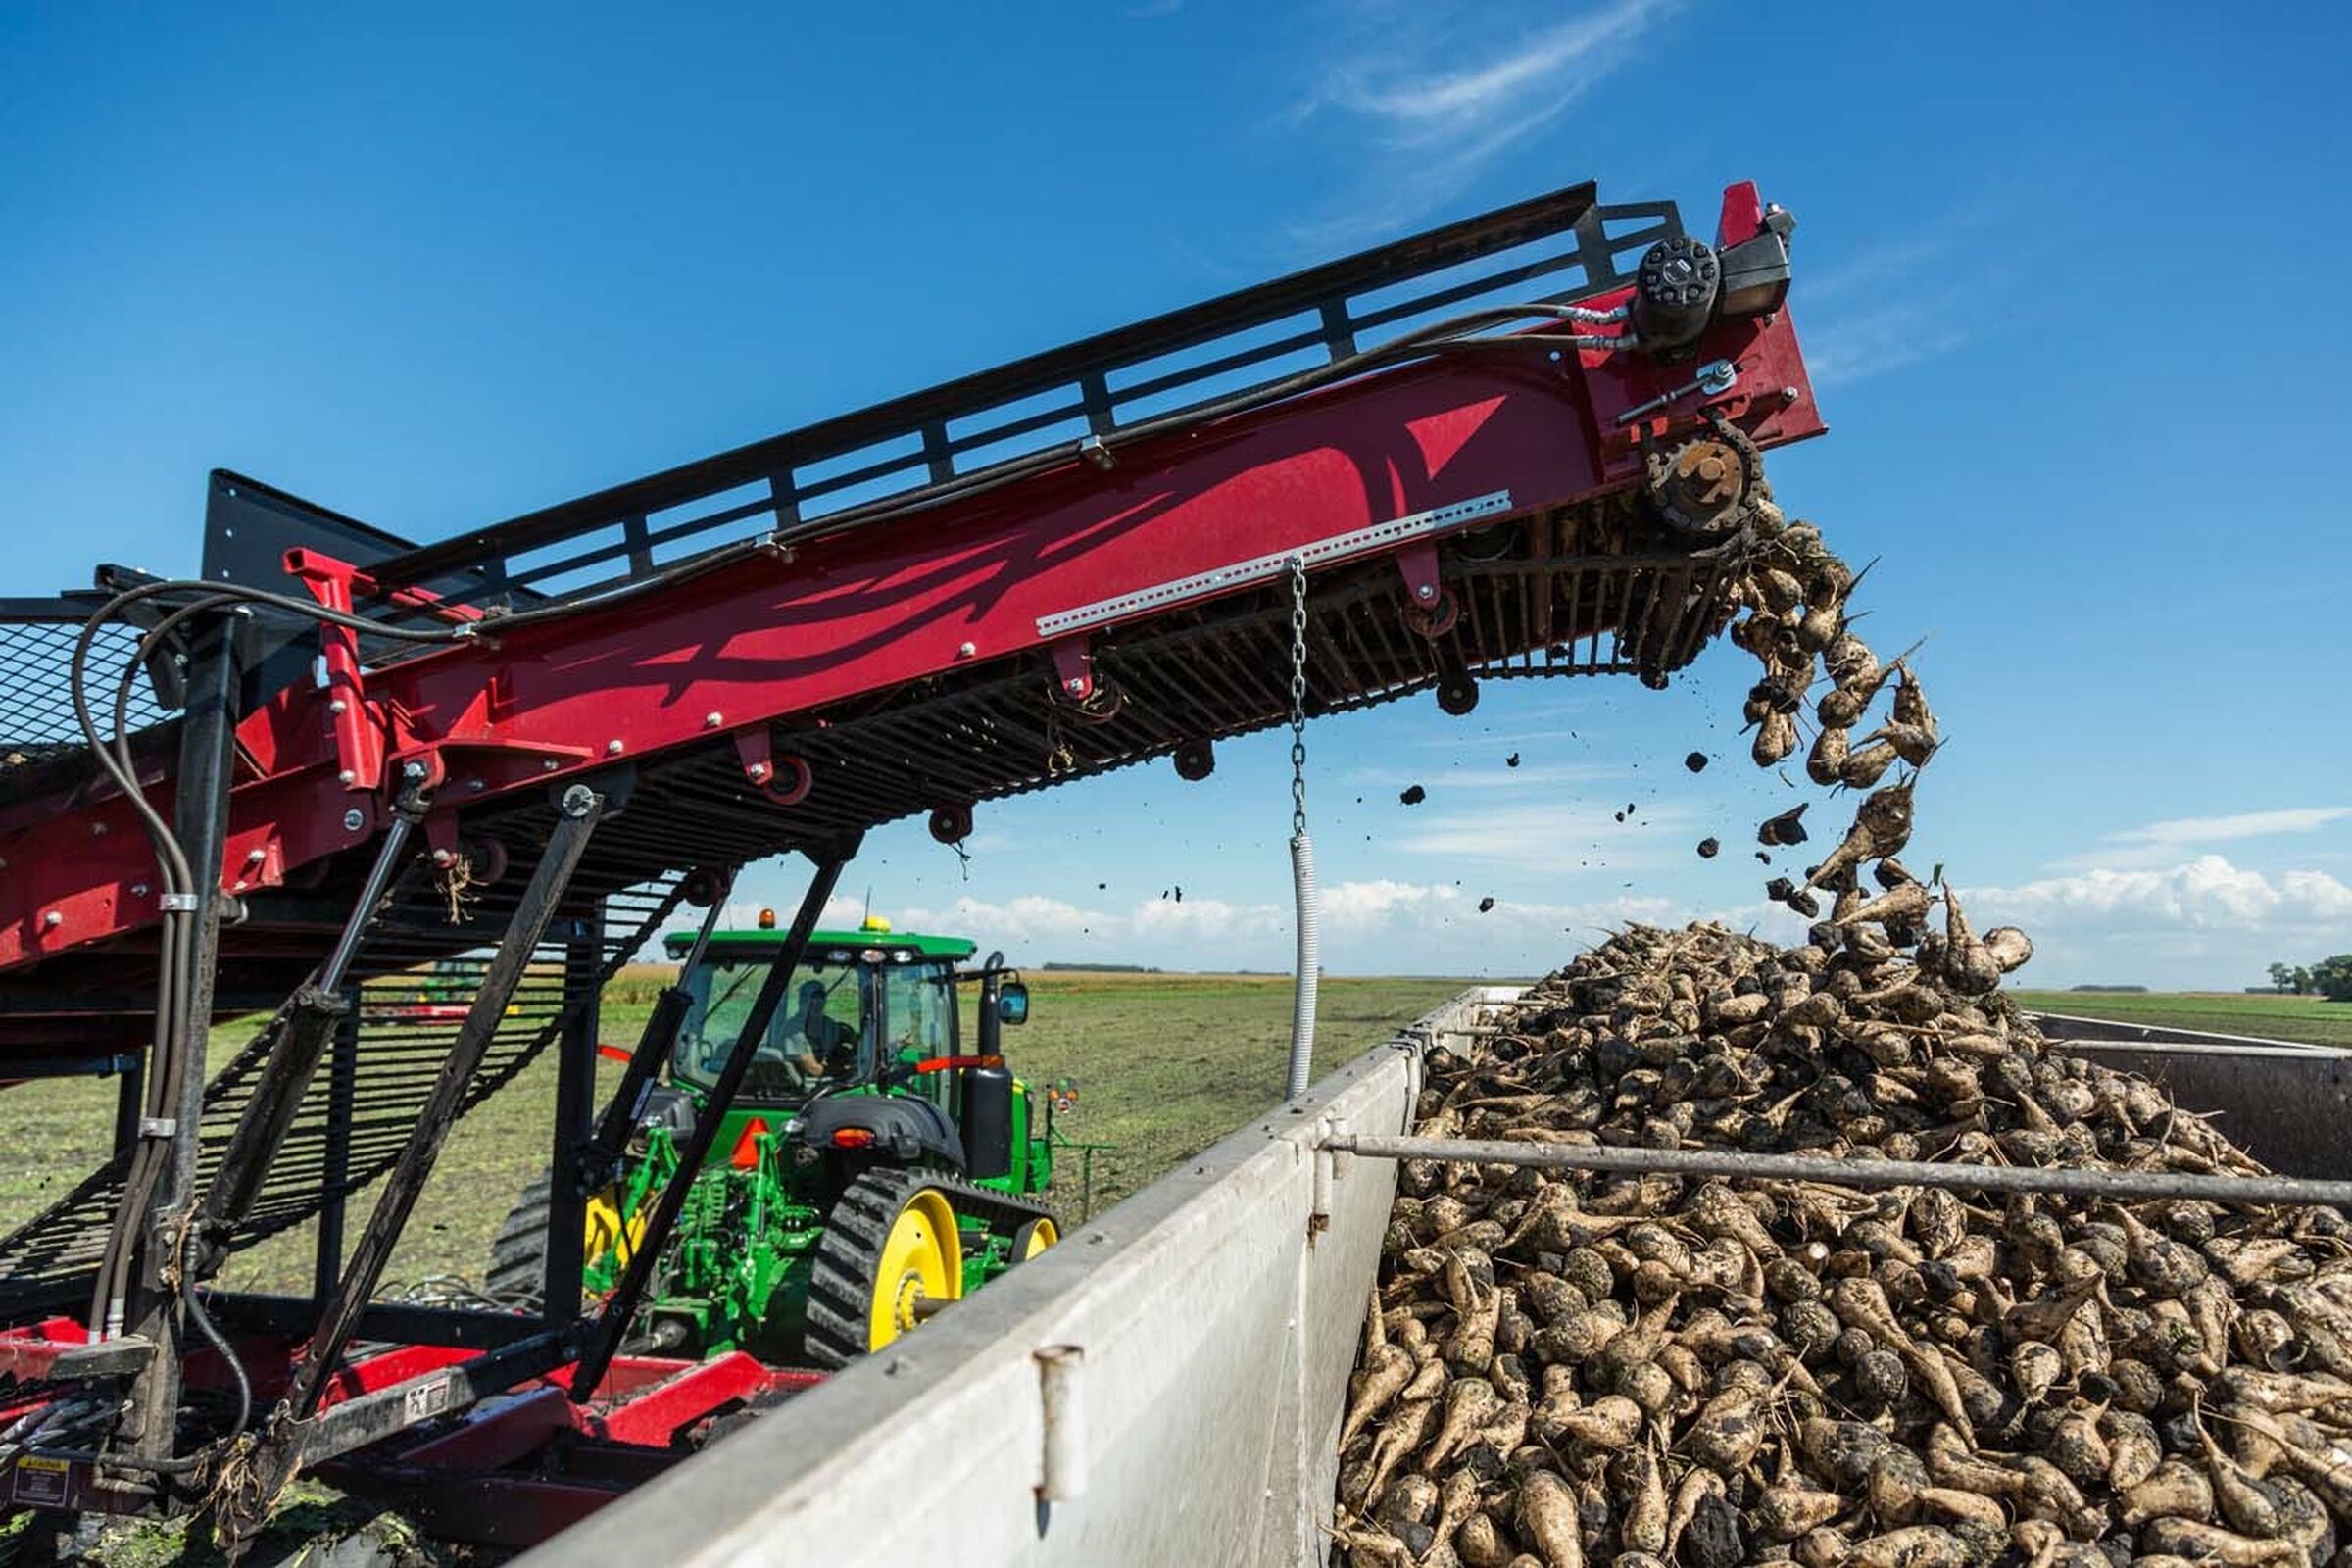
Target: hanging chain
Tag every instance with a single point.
(1297, 695)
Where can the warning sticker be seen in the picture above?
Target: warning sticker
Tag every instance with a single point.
(425, 1401)
(40, 1480)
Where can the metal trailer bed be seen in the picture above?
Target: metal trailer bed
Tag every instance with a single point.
(1167, 1390)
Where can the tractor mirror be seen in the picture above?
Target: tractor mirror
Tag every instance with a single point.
(1013, 1003)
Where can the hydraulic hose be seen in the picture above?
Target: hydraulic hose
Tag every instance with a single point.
(1311, 965)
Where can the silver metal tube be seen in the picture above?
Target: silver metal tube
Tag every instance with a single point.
(380, 877)
(1862, 1173)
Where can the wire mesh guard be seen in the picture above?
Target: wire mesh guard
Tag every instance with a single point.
(36, 699)
(412, 1001)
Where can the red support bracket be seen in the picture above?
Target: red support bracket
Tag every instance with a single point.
(1430, 610)
(786, 778)
(359, 741)
(1073, 669)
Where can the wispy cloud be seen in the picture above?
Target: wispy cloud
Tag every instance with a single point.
(2238, 825)
(1441, 107)
(1892, 337)
(1907, 299)
(2161, 844)
(1558, 837)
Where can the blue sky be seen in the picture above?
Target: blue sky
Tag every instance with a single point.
(2069, 280)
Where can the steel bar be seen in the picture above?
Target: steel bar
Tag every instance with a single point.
(605, 1341)
(595, 1159)
(334, 1161)
(575, 1115)
(582, 809)
(1869, 1174)
(201, 818)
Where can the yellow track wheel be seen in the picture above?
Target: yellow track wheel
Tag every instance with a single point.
(890, 1255)
(1034, 1237)
(601, 1229)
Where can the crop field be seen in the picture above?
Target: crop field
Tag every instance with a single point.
(1164, 1066)
(2221, 1012)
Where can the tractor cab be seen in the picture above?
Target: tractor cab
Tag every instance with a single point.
(859, 1005)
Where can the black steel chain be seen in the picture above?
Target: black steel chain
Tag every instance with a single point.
(1298, 694)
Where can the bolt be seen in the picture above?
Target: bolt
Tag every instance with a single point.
(547, 765)
(1788, 394)
(254, 856)
(52, 921)
(344, 777)
(414, 771)
(1428, 590)
(613, 748)
(1075, 685)
(351, 820)
(711, 720)
(473, 786)
(443, 857)
(97, 830)
(966, 650)
(138, 890)
(757, 771)
(579, 800)
(338, 705)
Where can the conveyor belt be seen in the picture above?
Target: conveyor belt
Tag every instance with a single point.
(47, 1261)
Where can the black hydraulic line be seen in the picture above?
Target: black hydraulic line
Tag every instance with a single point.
(598, 1158)
(1868, 1174)
(621, 1305)
(581, 809)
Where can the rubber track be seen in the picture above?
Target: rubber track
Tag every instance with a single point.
(518, 1269)
(842, 1275)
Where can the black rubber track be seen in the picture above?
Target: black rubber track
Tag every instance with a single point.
(842, 1275)
(517, 1271)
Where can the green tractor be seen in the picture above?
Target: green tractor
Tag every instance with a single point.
(868, 1173)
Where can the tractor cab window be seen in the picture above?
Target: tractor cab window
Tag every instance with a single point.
(919, 1004)
(819, 1031)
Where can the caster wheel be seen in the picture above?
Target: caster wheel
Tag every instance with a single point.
(952, 824)
(1457, 694)
(1194, 761)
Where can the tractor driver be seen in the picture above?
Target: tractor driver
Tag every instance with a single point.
(825, 1042)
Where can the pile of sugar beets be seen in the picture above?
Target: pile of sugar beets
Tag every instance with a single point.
(1571, 1368)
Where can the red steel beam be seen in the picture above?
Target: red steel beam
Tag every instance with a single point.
(868, 609)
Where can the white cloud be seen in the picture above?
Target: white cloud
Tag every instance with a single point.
(1443, 110)
(2204, 893)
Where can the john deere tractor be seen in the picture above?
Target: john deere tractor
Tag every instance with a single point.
(868, 1173)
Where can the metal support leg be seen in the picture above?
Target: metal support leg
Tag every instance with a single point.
(582, 809)
(621, 1305)
(575, 1114)
(207, 759)
(129, 1094)
(319, 1010)
(342, 1090)
(597, 1162)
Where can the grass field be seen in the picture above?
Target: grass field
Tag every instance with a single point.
(1163, 1064)
(2221, 1012)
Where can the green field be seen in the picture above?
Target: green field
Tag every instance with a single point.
(1164, 1066)
(2221, 1012)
